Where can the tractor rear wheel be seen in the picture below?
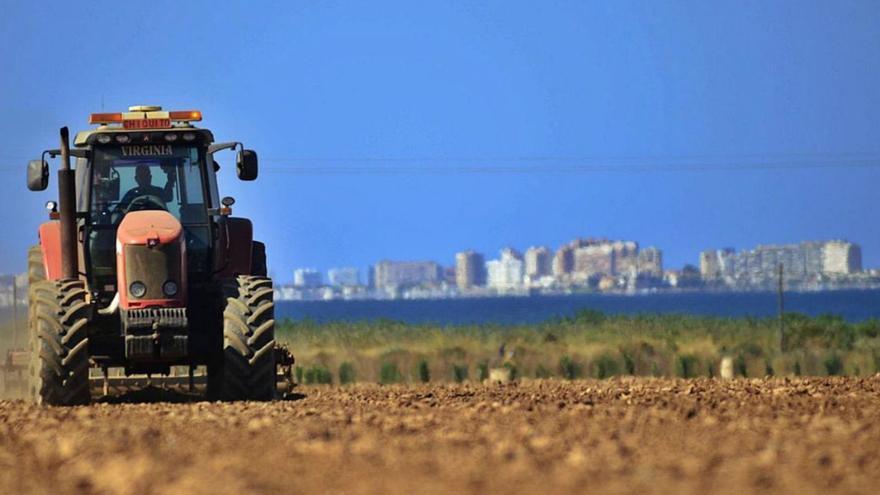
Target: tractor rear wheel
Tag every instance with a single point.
(245, 370)
(59, 344)
(36, 271)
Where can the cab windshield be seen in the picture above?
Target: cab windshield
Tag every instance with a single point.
(147, 177)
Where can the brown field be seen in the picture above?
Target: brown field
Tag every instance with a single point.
(613, 436)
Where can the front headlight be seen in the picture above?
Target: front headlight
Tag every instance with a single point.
(137, 289)
(170, 288)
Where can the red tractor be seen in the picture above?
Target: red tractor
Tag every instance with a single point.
(142, 267)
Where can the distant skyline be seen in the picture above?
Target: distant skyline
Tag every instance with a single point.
(553, 249)
(413, 130)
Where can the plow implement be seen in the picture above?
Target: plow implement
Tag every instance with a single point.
(108, 383)
(14, 371)
(191, 380)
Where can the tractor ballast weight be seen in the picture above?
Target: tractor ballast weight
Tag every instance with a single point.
(158, 278)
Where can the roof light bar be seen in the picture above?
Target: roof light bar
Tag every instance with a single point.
(186, 116)
(122, 117)
(105, 118)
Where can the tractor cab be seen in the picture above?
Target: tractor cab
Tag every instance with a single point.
(149, 159)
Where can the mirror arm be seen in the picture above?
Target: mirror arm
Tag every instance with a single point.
(223, 146)
(78, 153)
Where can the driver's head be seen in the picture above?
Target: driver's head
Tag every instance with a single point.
(142, 176)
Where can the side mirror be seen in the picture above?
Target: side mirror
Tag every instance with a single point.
(37, 175)
(246, 165)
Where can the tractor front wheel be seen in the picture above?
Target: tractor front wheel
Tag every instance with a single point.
(59, 343)
(245, 369)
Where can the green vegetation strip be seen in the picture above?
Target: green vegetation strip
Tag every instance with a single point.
(588, 345)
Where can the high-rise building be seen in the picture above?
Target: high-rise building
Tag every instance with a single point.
(506, 273)
(626, 257)
(448, 275)
(727, 263)
(717, 264)
(470, 270)
(563, 262)
(14, 290)
(710, 265)
(306, 278)
(813, 256)
(806, 262)
(538, 262)
(650, 263)
(597, 259)
(511, 253)
(841, 257)
(792, 258)
(584, 259)
(402, 274)
(344, 277)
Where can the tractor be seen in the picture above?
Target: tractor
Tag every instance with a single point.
(141, 266)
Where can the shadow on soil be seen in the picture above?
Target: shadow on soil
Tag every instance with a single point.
(152, 394)
(291, 396)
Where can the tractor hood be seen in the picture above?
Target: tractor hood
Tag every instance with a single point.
(151, 261)
(148, 228)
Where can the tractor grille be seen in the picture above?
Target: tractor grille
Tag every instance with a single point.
(151, 318)
(153, 266)
(155, 333)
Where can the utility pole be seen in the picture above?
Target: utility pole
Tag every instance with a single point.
(14, 312)
(781, 299)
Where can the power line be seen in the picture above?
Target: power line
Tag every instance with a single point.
(575, 158)
(554, 158)
(566, 168)
(553, 165)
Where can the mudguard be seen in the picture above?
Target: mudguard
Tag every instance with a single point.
(239, 243)
(50, 245)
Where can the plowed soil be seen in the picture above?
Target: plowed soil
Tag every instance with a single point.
(613, 436)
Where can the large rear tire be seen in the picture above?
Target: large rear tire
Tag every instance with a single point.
(245, 370)
(36, 270)
(59, 343)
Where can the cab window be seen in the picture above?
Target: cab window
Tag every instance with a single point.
(147, 177)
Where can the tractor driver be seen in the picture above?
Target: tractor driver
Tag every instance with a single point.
(145, 187)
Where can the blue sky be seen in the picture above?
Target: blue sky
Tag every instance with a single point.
(637, 87)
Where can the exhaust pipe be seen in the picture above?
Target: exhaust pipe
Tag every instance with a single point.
(67, 210)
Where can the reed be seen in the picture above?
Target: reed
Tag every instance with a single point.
(587, 345)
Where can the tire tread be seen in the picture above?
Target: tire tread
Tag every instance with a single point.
(58, 327)
(247, 370)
